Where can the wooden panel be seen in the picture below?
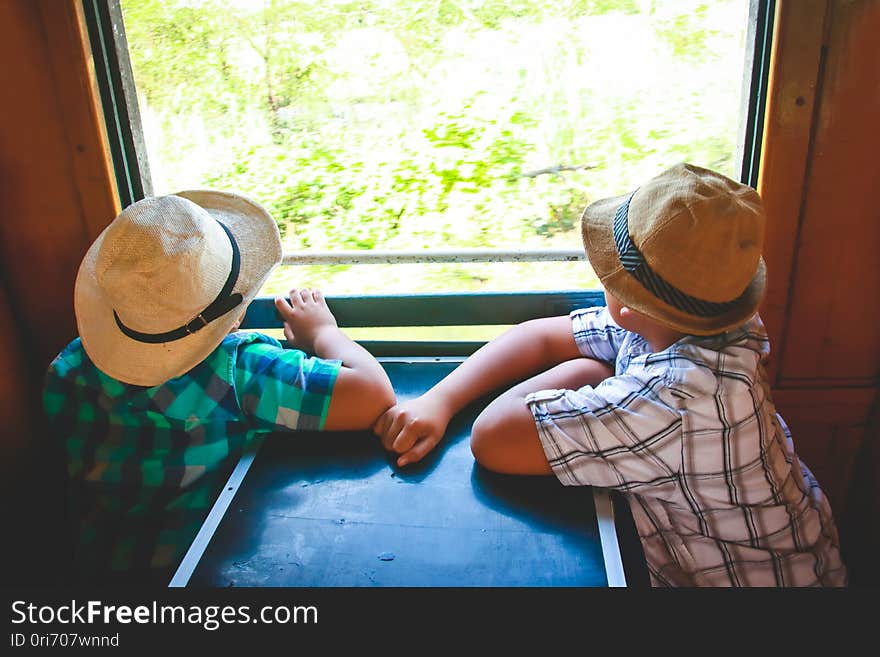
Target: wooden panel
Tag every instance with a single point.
(828, 427)
(794, 72)
(73, 75)
(54, 190)
(818, 178)
(834, 320)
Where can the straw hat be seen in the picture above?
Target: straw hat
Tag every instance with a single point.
(168, 278)
(684, 249)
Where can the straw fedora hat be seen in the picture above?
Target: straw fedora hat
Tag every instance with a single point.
(168, 278)
(683, 249)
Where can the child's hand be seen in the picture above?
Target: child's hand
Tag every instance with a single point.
(304, 317)
(412, 429)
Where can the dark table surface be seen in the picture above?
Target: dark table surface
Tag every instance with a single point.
(332, 510)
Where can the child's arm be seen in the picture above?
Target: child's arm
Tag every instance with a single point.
(362, 390)
(505, 437)
(413, 428)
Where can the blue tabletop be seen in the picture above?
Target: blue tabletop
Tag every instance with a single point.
(332, 510)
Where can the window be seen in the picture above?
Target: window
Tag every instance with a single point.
(395, 127)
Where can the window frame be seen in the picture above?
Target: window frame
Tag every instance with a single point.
(115, 80)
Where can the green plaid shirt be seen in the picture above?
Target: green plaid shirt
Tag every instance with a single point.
(146, 464)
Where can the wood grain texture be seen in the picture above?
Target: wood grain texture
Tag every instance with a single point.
(792, 86)
(73, 75)
(834, 315)
(819, 180)
(55, 188)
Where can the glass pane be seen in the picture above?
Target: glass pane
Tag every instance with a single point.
(409, 124)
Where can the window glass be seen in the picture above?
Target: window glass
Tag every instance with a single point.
(411, 124)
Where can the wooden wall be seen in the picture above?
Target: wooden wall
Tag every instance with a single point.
(819, 180)
(819, 176)
(56, 193)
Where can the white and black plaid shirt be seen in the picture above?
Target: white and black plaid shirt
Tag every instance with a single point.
(691, 436)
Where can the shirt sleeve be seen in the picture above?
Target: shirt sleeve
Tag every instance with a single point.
(618, 435)
(596, 334)
(281, 388)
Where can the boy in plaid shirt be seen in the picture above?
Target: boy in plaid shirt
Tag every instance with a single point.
(660, 395)
(159, 396)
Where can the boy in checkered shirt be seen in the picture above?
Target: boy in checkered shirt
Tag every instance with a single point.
(660, 395)
(160, 394)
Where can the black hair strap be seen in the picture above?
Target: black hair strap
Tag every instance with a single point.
(634, 262)
(222, 304)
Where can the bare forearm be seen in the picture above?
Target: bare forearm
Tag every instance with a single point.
(412, 428)
(362, 391)
(515, 355)
(332, 343)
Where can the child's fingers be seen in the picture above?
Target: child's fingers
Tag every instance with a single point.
(284, 310)
(407, 437)
(288, 333)
(418, 451)
(394, 428)
(282, 306)
(387, 441)
(380, 426)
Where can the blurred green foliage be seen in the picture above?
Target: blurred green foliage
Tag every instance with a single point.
(401, 124)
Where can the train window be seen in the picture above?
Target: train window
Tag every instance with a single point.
(447, 146)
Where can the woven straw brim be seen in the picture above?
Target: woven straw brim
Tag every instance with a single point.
(143, 364)
(597, 231)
